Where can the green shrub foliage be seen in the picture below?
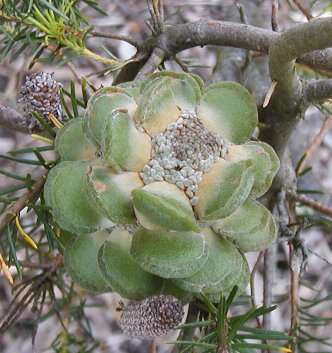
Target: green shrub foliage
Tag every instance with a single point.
(158, 182)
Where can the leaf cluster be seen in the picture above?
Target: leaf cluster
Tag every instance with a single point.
(35, 26)
(311, 319)
(222, 332)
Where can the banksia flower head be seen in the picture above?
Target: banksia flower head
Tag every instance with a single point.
(160, 181)
(182, 153)
(151, 317)
(40, 93)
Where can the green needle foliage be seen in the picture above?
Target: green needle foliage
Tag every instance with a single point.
(312, 317)
(223, 332)
(40, 271)
(48, 29)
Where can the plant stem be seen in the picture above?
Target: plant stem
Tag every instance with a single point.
(315, 205)
(10, 213)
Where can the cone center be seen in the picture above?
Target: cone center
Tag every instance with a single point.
(182, 154)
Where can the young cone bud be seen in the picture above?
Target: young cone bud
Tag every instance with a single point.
(40, 94)
(151, 317)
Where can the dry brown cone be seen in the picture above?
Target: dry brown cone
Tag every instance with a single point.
(151, 317)
(40, 93)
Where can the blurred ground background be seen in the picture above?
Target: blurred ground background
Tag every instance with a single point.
(128, 17)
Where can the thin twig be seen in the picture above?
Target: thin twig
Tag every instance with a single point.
(319, 256)
(10, 213)
(314, 144)
(274, 16)
(252, 284)
(153, 347)
(156, 25)
(161, 10)
(74, 72)
(269, 94)
(155, 59)
(315, 205)
(116, 37)
(318, 90)
(295, 268)
(39, 266)
(5, 270)
(30, 289)
(243, 16)
(183, 66)
(7, 18)
(11, 119)
(268, 277)
(188, 334)
(294, 294)
(303, 9)
(248, 54)
(157, 9)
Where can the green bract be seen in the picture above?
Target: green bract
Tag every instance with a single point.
(85, 150)
(81, 261)
(162, 205)
(169, 254)
(122, 272)
(158, 182)
(223, 264)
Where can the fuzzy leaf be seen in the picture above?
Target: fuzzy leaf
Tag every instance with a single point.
(112, 192)
(265, 164)
(81, 262)
(125, 148)
(228, 109)
(239, 277)
(65, 239)
(122, 272)
(251, 227)
(169, 254)
(164, 96)
(161, 205)
(224, 260)
(71, 144)
(99, 109)
(66, 193)
(223, 189)
(133, 88)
